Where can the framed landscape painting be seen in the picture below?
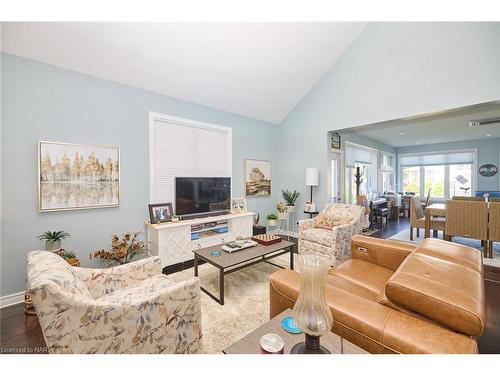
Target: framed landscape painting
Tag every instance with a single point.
(74, 176)
(257, 178)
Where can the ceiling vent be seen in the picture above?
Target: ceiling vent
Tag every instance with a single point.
(486, 121)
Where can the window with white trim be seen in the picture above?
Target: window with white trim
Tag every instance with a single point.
(443, 175)
(185, 148)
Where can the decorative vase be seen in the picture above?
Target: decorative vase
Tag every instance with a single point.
(311, 312)
(52, 245)
(271, 222)
(290, 209)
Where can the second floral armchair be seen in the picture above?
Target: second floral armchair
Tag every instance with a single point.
(335, 242)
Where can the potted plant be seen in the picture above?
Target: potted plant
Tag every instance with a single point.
(53, 239)
(122, 249)
(70, 257)
(282, 211)
(290, 198)
(271, 220)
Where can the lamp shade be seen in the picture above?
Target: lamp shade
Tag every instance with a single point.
(312, 176)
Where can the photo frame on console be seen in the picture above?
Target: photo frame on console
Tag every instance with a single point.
(160, 212)
(238, 205)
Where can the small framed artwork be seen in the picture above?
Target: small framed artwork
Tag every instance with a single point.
(77, 176)
(257, 178)
(160, 212)
(335, 141)
(238, 205)
(488, 170)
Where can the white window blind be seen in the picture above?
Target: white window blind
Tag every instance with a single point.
(185, 148)
(355, 155)
(437, 159)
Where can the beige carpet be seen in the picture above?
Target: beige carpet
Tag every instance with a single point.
(246, 304)
(404, 235)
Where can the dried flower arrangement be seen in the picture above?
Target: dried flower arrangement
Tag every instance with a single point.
(122, 249)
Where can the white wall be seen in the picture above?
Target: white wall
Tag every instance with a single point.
(392, 70)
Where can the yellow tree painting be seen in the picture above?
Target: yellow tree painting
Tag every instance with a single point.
(74, 176)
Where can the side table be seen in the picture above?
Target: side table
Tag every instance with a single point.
(311, 213)
(250, 344)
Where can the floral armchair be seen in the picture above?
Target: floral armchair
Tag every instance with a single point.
(131, 308)
(335, 242)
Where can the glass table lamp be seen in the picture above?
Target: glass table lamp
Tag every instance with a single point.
(311, 312)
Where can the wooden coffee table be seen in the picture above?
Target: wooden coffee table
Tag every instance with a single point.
(250, 344)
(231, 262)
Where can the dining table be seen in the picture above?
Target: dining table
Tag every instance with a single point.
(435, 209)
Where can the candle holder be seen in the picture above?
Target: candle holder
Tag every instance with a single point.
(311, 312)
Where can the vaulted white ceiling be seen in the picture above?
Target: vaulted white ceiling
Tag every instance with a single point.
(259, 70)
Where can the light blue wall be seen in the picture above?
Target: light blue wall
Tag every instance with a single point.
(392, 70)
(43, 102)
(488, 151)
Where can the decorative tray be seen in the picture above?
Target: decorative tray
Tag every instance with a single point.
(246, 244)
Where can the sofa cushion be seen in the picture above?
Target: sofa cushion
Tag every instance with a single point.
(366, 279)
(324, 237)
(452, 252)
(448, 293)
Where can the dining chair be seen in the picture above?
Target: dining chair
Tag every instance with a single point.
(467, 219)
(417, 218)
(494, 221)
(461, 198)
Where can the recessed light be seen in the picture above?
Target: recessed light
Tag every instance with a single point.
(417, 142)
(489, 135)
(401, 133)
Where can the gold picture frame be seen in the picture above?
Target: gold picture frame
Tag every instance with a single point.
(258, 178)
(73, 176)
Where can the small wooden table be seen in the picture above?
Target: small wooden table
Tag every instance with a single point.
(231, 262)
(250, 344)
(436, 209)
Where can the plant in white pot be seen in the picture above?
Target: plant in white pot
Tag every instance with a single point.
(282, 211)
(53, 239)
(290, 198)
(271, 220)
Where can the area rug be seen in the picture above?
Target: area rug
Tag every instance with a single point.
(246, 304)
(404, 235)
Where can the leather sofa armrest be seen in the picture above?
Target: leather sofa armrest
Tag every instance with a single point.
(384, 253)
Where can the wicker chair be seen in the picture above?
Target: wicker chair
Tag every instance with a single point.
(417, 218)
(494, 232)
(467, 219)
(460, 198)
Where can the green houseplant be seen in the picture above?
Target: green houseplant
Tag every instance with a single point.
(282, 211)
(70, 257)
(271, 220)
(290, 198)
(53, 239)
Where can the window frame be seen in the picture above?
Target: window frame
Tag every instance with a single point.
(423, 193)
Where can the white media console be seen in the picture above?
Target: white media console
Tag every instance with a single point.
(174, 242)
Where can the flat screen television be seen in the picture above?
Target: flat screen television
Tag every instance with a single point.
(201, 195)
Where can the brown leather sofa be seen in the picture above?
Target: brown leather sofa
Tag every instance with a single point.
(398, 297)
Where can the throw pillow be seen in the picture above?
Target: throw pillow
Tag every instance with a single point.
(341, 221)
(323, 221)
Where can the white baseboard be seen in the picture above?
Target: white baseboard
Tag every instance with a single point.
(11, 299)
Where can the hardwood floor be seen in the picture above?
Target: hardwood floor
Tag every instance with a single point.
(21, 333)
